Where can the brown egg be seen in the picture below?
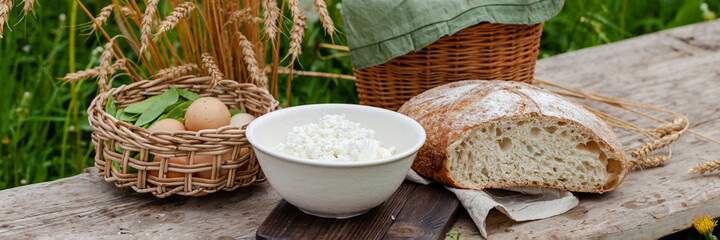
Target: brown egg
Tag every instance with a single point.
(241, 119)
(176, 160)
(206, 113)
(199, 159)
(167, 124)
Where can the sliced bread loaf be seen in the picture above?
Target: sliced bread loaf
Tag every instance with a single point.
(495, 134)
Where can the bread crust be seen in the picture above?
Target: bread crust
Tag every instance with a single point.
(449, 111)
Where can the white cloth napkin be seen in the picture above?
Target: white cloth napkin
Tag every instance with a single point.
(518, 203)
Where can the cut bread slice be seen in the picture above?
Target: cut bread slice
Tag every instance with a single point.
(496, 134)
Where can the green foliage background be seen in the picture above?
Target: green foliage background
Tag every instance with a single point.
(43, 124)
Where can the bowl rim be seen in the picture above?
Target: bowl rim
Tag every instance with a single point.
(251, 130)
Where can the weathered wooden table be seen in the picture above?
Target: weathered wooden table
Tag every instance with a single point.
(677, 69)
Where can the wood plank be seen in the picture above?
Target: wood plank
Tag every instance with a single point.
(678, 69)
(427, 215)
(413, 212)
(85, 206)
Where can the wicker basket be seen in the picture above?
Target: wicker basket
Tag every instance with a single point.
(485, 51)
(117, 142)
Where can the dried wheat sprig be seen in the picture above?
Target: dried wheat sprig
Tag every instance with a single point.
(5, 7)
(294, 6)
(669, 127)
(180, 12)
(270, 13)
(296, 35)
(322, 11)
(80, 75)
(645, 149)
(709, 166)
(104, 68)
(146, 25)
(243, 16)
(102, 16)
(212, 69)
(257, 76)
(649, 162)
(176, 71)
(94, 72)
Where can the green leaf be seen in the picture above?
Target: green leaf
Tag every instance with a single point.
(179, 110)
(126, 117)
(110, 106)
(235, 111)
(188, 94)
(157, 107)
(166, 99)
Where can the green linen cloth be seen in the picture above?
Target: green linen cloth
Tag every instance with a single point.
(380, 30)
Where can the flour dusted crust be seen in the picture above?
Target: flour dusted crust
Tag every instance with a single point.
(463, 121)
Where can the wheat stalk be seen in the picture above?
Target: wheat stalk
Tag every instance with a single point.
(146, 25)
(176, 71)
(178, 13)
(102, 17)
(256, 76)
(296, 35)
(322, 11)
(212, 69)
(243, 16)
(270, 13)
(710, 166)
(5, 7)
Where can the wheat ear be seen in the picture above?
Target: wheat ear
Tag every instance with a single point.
(94, 72)
(258, 77)
(667, 138)
(5, 7)
(243, 16)
(322, 11)
(104, 69)
(710, 166)
(102, 16)
(212, 69)
(296, 35)
(180, 12)
(128, 12)
(649, 162)
(28, 6)
(176, 71)
(146, 25)
(270, 13)
(669, 127)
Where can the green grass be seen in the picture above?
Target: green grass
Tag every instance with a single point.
(45, 134)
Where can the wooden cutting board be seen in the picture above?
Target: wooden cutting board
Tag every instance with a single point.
(414, 211)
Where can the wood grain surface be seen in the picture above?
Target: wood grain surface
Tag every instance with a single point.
(678, 69)
(412, 212)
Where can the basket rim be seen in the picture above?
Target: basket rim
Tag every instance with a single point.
(232, 130)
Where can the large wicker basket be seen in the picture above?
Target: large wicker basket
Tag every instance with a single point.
(485, 51)
(124, 153)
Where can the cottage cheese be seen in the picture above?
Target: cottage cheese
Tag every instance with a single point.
(334, 139)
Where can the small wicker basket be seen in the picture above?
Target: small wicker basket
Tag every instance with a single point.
(124, 153)
(485, 51)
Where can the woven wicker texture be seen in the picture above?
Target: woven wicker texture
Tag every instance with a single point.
(485, 51)
(125, 153)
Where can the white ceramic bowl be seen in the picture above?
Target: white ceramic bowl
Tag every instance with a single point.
(335, 189)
